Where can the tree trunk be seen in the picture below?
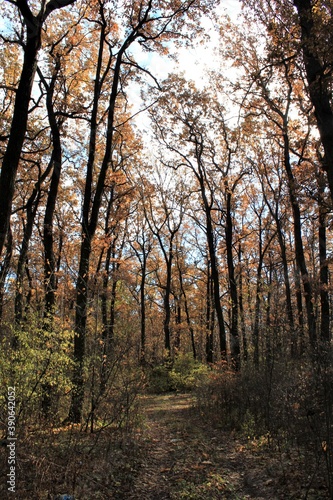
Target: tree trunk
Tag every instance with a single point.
(75, 411)
(210, 316)
(241, 307)
(187, 313)
(143, 309)
(32, 206)
(299, 251)
(48, 238)
(319, 81)
(324, 295)
(166, 301)
(234, 334)
(89, 224)
(18, 129)
(300, 313)
(214, 267)
(256, 325)
(4, 269)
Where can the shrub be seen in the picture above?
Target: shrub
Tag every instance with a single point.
(38, 367)
(287, 403)
(183, 374)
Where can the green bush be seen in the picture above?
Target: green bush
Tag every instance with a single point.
(37, 362)
(182, 374)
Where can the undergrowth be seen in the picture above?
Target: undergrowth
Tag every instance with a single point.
(286, 406)
(181, 374)
(92, 460)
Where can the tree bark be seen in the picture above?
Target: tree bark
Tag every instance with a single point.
(241, 307)
(4, 269)
(214, 273)
(299, 251)
(50, 281)
(166, 301)
(325, 334)
(210, 316)
(19, 126)
(234, 334)
(319, 83)
(187, 312)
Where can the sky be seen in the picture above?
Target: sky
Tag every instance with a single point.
(198, 60)
(194, 62)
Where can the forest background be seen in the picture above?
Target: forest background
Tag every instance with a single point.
(152, 214)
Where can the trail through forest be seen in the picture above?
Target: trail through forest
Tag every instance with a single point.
(174, 452)
(186, 458)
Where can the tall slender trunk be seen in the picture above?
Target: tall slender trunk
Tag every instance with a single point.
(299, 251)
(89, 222)
(50, 281)
(234, 334)
(325, 334)
(187, 312)
(142, 256)
(270, 343)
(319, 80)
(214, 267)
(300, 312)
(289, 307)
(75, 411)
(18, 129)
(241, 307)
(210, 316)
(178, 321)
(166, 302)
(108, 337)
(20, 270)
(4, 269)
(216, 293)
(168, 254)
(143, 308)
(256, 354)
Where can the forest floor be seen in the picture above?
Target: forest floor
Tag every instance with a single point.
(170, 452)
(187, 458)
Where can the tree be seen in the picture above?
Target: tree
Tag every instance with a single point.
(31, 42)
(164, 214)
(315, 19)
(141, 243)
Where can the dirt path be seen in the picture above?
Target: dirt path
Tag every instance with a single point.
(184, 458)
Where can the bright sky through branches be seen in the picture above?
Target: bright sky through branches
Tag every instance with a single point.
(195, 62)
